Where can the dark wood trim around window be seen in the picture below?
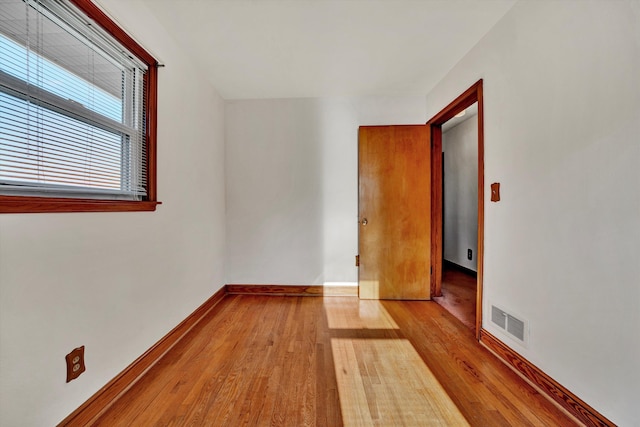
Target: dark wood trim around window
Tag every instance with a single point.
(151, 136)
(101, 18)
(28, 204)
(19, 204)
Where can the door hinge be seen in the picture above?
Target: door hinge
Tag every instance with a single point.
(357, 260)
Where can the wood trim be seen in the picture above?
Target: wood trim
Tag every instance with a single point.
(549, 387)
(293, 290)
(437, 233)
(103, 399)
(465, 100)
(480, 249)
(19, 204)
(151, 82)
(28, 204)
(102, 19)
(151, 87)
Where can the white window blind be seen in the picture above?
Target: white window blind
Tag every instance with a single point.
(71, 106)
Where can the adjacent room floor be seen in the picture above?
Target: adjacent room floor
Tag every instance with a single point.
(330, 361)
(459, 295)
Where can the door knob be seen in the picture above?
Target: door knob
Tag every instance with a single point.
(364, 221)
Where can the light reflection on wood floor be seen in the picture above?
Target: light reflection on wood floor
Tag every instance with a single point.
(330, 361)
(384, 382)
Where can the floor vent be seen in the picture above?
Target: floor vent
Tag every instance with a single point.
(498, 317)
(511, 324)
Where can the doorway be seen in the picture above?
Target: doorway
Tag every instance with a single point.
(460, 215)
(472, 96)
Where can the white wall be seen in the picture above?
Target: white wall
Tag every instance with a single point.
(562, 109)
(562, 129)
(115, 282)
(292, 185)
(460, 145)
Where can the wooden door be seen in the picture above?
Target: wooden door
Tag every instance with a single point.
(394, 208)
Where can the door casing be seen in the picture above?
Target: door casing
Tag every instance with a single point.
(466, 99)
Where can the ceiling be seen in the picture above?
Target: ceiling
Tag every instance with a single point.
(310, 48)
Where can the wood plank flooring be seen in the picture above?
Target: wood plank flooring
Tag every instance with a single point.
(459, 295)
(330, 361)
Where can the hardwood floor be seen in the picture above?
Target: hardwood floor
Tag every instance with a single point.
(302, 361)
(459, 295)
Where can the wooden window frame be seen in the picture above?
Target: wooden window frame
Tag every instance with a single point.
(29, 204)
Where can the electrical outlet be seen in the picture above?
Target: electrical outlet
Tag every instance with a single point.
(75, 363)
(469, 254)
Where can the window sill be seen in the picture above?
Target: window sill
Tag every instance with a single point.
(18, 204)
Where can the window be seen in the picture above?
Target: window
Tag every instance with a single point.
(77, 111)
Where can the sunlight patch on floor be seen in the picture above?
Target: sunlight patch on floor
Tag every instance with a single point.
(369, 289)
(340, 284)
(381, 378)
(342, 289)
(384, 382)
(370, 315)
